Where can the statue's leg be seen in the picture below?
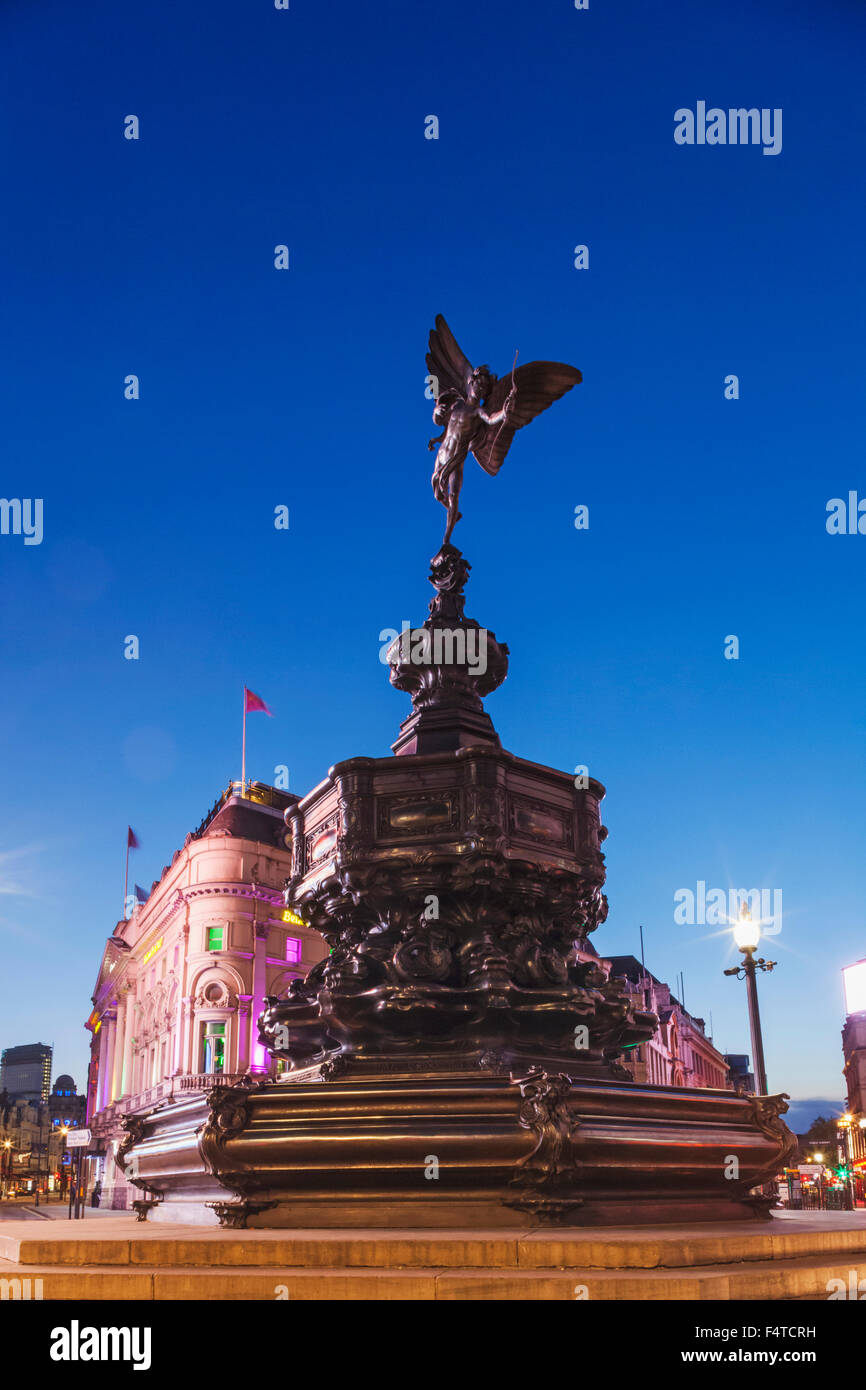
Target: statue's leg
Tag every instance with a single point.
(453, 498)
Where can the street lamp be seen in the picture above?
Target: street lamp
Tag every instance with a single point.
(844, 1126)
(64, 1130)
(747, 934)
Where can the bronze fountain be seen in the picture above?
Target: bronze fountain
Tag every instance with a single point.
(455, 1059)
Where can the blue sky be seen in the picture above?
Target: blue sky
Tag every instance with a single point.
(305, 388)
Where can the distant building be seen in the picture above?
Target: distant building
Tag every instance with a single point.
(680, 1053)
(741, 1076)
(183, 981)
(66, 1108)
(25, 1072)
(31, 1149)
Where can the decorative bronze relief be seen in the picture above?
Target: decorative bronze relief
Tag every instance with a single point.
(539, 822)
(321, 843)
(411, 815)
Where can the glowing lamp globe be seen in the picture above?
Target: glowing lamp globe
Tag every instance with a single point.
(747, 933)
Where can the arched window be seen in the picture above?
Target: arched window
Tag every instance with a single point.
(213, 1046)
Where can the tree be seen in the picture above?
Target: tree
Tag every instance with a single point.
(821, 1131)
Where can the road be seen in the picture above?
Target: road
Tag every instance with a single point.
(16, 1211)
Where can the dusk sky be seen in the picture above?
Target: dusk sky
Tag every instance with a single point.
(305, 388)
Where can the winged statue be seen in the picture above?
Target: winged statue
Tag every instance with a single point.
(482, 412)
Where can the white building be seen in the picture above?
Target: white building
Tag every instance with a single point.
(183, 980)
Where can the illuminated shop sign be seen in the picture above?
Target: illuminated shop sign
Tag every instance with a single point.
(149, 955)
(854, 977)
(290, 916)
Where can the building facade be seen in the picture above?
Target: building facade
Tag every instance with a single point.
(679, 1053)
(66, 1108)
(183, 980)
(25, 1072)
(853, 1124)
(31, 1148)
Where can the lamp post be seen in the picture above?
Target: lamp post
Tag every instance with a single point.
(64, 1130)
(4, 1175)
(844, 1127)
(747, 934)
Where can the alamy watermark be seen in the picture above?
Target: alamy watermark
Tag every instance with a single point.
(846, 517)
(22, 516)
(736, 126)
(20, 1290)
(438, 646)
(716, 907)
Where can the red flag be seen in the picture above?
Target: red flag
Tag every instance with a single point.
(253, 702)
(131, 838)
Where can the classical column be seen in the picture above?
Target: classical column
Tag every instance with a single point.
(119, 1043)
(178, 1031)
(100, 1070)
(109, 1024)
(244, 1042)
(126, 1064)
(188, 1063)
(91, 1096)
(260, 988)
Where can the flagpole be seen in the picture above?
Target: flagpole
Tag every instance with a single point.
(244, 747)
(126, 877)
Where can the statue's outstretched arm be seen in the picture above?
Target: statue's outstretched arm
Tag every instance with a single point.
(500, 416)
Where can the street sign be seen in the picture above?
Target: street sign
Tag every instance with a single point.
(78, 1138)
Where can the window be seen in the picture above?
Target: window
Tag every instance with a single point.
(213, 1046)
(293, 949)
(215, 939)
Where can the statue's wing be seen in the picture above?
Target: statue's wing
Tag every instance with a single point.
(537, 385)
(446, 361)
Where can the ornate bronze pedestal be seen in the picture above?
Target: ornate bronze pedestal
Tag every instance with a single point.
(454, 1058)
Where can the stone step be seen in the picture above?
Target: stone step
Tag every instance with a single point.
(803, 1278)
(125, 1242)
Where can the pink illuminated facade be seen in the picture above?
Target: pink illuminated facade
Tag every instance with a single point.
(679, 1053)
(184, 979)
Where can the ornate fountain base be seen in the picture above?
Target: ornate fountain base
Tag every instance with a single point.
(469, 1149)
(454, 1056)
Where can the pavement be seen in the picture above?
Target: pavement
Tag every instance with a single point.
(18, 1210)
(110, 1255)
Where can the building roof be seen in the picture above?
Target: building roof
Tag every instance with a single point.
(630, 968)
(29, 1052)
(257, 815)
